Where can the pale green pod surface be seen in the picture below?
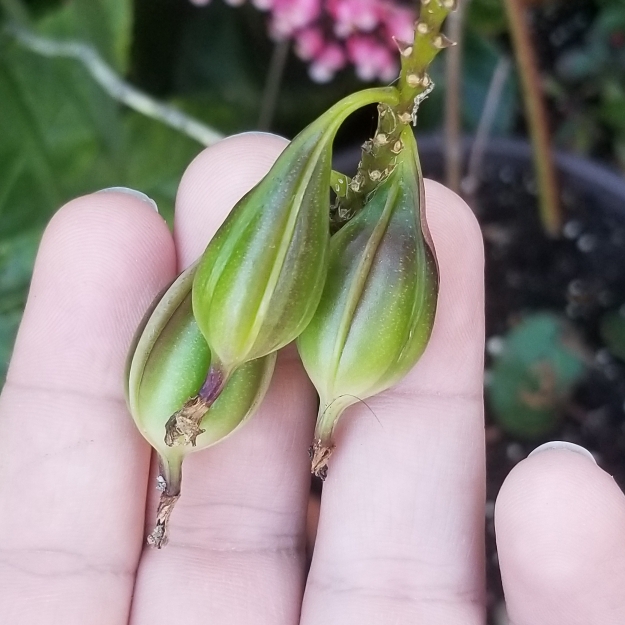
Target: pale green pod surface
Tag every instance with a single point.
(168, 365)
(261, 277)
(377, 310)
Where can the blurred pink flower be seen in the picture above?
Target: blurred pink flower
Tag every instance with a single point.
(289, 16)
(309, 43)
(372, 58)
(331, 33)
(351, 16)
(327, 62)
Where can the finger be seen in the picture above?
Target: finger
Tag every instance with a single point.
(560, 524)
(73, 467)
(400, 538)
(236, 551)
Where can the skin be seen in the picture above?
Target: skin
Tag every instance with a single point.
(400, 536)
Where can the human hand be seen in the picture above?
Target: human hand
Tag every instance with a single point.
(401, 536)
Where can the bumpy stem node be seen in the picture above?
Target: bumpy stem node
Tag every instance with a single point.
(380, 153)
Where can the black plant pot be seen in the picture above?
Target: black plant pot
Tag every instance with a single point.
(588, 181)
(580, 276)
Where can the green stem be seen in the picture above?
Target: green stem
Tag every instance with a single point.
(170, 472)
(271, 92)
(112, 83)
(414, 80)
(550, 211)
(380, 153)
(453, 99)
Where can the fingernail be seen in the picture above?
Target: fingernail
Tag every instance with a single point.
(133, 192)
(578, 449)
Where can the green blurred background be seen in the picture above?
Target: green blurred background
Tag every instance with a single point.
(62, 135)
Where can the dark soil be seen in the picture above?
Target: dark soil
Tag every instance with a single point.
(579, 276)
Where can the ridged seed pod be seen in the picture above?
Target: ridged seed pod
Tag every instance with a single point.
(166, 367)
(377, 309)
(260, 279)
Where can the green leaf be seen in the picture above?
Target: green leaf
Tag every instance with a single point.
(540, 364)
(155, 159)
(59, 137)
(105, 24)
(62, 136)
(613, 333)
(9, 323)
(17, 257)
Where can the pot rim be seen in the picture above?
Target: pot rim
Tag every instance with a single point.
(592, 172)
(603, 183)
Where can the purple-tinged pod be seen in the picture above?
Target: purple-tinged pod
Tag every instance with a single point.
(167, 365)
(377, 310)
(260, 279)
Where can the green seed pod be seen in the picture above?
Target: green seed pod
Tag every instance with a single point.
(260, 279)
(167, 366)
(377, 309)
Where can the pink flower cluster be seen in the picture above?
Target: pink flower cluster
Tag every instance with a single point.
(330, 34)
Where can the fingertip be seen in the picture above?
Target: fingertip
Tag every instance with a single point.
(559, 521)
(101, 260)
(214, 182)
(104, 213)
(453, 360)
(548, 493)
(453, 223)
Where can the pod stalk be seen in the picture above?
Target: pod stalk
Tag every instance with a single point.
(323, 445)
(169, 483)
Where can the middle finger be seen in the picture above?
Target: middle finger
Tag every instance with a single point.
(400, 535)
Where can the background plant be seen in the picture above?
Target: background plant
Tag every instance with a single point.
(62, 134)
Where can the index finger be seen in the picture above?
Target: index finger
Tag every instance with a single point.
(73, 466)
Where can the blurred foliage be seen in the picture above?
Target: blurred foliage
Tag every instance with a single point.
(17, 255)
(217, 65)
(582, 49)
(613, 333)
(61, 136)
(487, 17)
(480, 59)
(540, 363)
